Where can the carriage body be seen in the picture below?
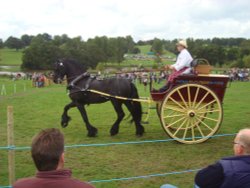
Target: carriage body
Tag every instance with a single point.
(217, 83)
(191, 110)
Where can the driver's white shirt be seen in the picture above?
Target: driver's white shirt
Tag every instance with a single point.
(183, 60)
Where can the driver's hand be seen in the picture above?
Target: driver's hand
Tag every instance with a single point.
(167, 67)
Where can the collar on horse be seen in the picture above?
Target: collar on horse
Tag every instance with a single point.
(72, 84)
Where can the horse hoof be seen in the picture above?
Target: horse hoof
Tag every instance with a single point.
(65, 121)
(92, 133)
(114, 132)
(140, 132)
(64, 124)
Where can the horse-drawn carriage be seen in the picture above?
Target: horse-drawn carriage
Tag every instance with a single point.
(190, 111)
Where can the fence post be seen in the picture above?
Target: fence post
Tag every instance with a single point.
(11, 153)
(3, 90)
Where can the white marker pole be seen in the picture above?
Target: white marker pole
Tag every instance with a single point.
(3, 90)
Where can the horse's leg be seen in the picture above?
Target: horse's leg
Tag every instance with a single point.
(65, 118)
(120, 115)
(138, 126)
(92, 131)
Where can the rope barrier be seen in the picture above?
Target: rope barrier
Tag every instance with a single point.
(135, 177)
(121, 143)
(113, 143)
(145, 176)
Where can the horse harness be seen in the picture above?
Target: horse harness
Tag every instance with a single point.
(72, 84)
(102, 94)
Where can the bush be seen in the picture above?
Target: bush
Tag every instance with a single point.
(155, 66)
(246, 61)
(100, 67)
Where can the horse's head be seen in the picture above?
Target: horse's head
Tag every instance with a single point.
(59, 71)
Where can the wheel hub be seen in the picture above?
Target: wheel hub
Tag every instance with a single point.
(191, 113)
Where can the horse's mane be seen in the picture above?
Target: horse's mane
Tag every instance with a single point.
(75, 63)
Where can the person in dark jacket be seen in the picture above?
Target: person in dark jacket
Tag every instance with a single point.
(48, 155)
(230, 172)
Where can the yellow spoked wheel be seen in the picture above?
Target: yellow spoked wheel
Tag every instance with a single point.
(158, 109)
(191, 113)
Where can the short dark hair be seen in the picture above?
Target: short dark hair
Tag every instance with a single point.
(46, 149)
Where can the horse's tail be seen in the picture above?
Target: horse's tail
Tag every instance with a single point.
(137, 108)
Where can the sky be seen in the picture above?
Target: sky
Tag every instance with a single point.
(142, 19)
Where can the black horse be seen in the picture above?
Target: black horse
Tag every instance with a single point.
(79, 82)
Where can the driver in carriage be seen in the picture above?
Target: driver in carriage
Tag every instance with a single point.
(182, 65)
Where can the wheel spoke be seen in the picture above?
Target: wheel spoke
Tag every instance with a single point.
(175, 122)
(204, 124)
(204, 117)
(203, 112)
(192, 130)
(169, 116)
(203, 98)
(198, 127)
(182, 98)
(211, 102)
(196, 95)
(189, 96)
(176, 103)
(174, 109)
(172, 113)
(186, 129)
(179, 128)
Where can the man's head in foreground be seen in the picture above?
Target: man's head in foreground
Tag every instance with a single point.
(242, 142)
(48, 150)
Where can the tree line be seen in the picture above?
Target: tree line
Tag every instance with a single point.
(42, 50)
(229, 52)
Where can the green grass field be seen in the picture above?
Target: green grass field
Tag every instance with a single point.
(13, 59)
(10, 57)
(146, 48)
(37, 109)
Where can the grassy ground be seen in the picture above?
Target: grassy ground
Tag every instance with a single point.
(146, 48)
(10, 57)
(37, 109)
(13, 59)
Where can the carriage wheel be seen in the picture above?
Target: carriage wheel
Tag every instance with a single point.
(191, 113)
(158, 109)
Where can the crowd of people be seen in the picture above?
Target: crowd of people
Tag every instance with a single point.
(237, 74)
(38, 79)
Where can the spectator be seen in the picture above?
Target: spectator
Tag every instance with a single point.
(41, 80)
(145, 80)
(48, 155)
(231, 172)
